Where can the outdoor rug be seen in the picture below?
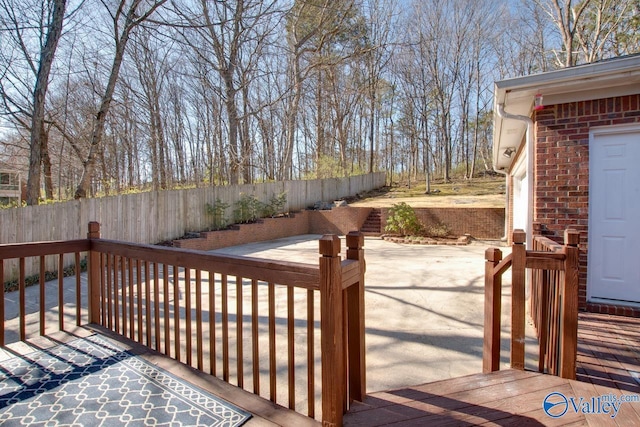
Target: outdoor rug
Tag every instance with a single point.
(92, 382)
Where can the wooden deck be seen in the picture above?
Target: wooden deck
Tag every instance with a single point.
(608, 363)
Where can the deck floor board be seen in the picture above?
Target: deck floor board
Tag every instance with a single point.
(608, 363)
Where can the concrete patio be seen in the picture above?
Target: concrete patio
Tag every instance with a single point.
(424, 306)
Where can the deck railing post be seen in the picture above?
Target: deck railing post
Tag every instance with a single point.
(492, 311)
(94, 275)
(519, 259)
(332, 327)
(569, 325)
(355, 321)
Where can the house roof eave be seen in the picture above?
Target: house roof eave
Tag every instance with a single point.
(615, 77)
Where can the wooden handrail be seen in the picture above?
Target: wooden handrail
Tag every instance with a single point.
(296, 274)
(554, 302)
(36, 249)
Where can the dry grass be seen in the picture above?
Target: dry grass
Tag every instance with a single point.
(479, 192)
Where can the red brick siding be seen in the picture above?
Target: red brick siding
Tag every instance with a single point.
(480, 223)
(562, 166)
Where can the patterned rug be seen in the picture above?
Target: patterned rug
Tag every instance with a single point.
(92, 382)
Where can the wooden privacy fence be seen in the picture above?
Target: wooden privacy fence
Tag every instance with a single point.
(220, 315)
(157, 216)
(553, 283)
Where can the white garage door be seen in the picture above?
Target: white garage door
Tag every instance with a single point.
(614, 215)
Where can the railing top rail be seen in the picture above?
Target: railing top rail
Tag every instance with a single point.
(276, 271)
(24, 250)
(547, 244)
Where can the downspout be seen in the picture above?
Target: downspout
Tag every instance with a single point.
(530, 168)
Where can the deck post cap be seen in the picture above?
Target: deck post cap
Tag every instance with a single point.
(329, 245)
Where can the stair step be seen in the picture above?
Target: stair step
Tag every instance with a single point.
(373, 224)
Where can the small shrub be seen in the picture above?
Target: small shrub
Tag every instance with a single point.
(438, 230)
(216, 212)
(402, 220)
(247, 209)
(275, 206)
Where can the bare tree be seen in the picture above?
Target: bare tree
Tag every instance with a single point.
(566, 15)
(125, 19)
(25, 26)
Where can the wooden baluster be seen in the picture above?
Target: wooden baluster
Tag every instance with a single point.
(239, 335)
(332, 326)
(212, 323)
(116, 300)
(94, 285)
(199, 343)
(254, 337)
(103, 289)
(21, 287)
(132, 323)
(139, 299)
(291, 350)
(543, 324)
(43, 306)
(518, 300)
(311, 356)
(355, 321)
(492, 311)
(272, 343)
(554, 322)
(78, 289)
(123, 281)
(225, 328)
(176, 311)
(166, 310)
(109, 293)
(156, 304)
(61, 292)
(147, 302)
(187, 314)
(569, 331)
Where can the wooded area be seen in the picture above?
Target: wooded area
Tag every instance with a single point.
(107, 97)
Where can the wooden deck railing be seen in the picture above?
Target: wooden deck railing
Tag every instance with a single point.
(553, 302)
(42, 253)
(219, 314)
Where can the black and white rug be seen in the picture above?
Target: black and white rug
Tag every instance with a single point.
(92, 382)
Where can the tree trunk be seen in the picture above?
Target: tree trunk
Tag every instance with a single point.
(39, 97)
(46, 164)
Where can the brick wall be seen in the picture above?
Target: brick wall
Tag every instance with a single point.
(562, 165)
(266, 229)
(480, 223)
(340, 221)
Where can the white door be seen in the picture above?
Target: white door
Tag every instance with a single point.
(614, 215)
